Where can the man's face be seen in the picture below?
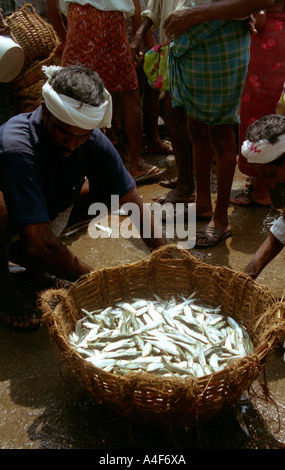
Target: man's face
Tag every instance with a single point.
(64, 138)
(274, 174)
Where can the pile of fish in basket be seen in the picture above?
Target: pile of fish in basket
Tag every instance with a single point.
(165, 340)
(164, 337)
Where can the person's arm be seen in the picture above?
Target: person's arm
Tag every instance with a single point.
(136, 50)
(179, 21)
(141, 32)
(143, 35)
(56, 19)
(45, 251)
(269, 249)
(136, 18)
(145, 219)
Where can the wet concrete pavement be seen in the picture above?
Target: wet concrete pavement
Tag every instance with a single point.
(43, 406)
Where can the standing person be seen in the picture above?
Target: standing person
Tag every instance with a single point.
(45, 157)
(263, 86)
(183, 188)
(264, 150)
(207, 69)
(151, 99)
(96, 37)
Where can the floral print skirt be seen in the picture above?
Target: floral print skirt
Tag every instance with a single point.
(98, 40)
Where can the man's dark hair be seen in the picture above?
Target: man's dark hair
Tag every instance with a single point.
(266, 128)
(79, 83)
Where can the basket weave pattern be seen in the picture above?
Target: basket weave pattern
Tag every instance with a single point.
(169, 271)
(35, 35)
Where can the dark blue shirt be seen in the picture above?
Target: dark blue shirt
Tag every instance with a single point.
(37, 184)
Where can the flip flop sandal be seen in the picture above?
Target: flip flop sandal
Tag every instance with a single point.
(171, 183)
(150, 174)
(213, 236)
(159, 151)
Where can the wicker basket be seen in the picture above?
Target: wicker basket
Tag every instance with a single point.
(35, 35)
(28, 85)
(169, 271)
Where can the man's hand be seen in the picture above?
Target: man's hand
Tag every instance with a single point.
(256, 21)
(45, 252)
(155, 238)
(177, 23)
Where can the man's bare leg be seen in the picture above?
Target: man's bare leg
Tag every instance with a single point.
(175, 121)
(202, 157)
(132, 117)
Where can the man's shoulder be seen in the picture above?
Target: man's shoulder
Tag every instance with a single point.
(100, 143)
(14, 134)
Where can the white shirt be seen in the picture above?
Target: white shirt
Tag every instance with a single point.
(278, 229)
(158, 10)
(126, 6)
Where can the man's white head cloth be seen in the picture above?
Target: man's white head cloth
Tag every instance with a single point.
(71, 111)
(263, 151)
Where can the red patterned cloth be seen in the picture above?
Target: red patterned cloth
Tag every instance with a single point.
(98, 40)
(265, 78)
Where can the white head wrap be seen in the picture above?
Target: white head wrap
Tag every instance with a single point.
(263, 151)
(73, 112)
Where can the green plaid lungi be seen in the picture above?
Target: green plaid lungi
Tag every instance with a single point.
(207, 70)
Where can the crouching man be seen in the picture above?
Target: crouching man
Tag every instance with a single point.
(265, 150)
(45, 158)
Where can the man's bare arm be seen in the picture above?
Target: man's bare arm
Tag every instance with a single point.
(179, 21)
(45, 251)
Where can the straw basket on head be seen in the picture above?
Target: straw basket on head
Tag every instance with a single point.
(169, 271)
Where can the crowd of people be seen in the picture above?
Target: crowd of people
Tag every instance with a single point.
(65, 150)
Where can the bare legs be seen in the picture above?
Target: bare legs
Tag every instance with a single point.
(175, 121)
(132, 121)
(221, 140)
(151, 113)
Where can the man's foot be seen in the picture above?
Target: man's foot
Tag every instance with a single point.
(159, 148)
(146, 172)
(175, 196)
(209, 235)
(15, 311)
(22, 322)
(251, 198)
(171, 183)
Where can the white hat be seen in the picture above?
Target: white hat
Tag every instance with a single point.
(12, 59)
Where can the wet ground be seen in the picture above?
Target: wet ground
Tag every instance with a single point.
(43, 406)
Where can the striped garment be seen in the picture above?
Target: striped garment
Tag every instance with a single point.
(207, 70)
